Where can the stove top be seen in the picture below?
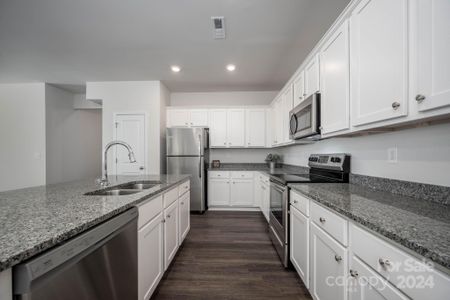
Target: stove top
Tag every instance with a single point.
(300, 178)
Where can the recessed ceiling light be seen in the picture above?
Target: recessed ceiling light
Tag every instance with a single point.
(175, 69)
(231, 68)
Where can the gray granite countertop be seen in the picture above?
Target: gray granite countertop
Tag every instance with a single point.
(284, 169)
(35, 219)
(421, 226)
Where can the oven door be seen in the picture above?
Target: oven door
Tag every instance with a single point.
(305, 118)
(278, 220)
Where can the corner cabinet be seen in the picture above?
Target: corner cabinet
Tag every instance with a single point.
(433, 60)
(335, 82)
(379, 60)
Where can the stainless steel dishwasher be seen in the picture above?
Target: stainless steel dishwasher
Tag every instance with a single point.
(98, 264)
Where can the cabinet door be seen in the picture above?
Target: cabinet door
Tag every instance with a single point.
(218, 128)
(335, 85)
(288, 103)
(236, 128)
(170, 233)
(184, 216)
(198, 118)
(328, 262)
(312, 76)
(256, 127)
(365, 283)
(278, 121)
(218, 192)
(299, 88)
(150, 256)
(300, 244)
(433, 65)
(241, 192)
(378, 60)
(178, 118)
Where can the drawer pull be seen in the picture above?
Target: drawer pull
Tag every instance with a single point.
(338, 258)
(182, 203)
(322, 220)
(384, 263)
(168, 216)
(353, 273)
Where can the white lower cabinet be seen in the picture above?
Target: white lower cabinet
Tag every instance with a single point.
(218, 192)
(170, 233)
(265, 200)
(151, 256)
(299, 244)
(366, 284)
(242, 192)
(184, 214)
(328, 262)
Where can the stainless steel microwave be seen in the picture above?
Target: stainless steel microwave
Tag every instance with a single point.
(304, 119)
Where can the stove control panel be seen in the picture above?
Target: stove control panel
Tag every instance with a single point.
(336, 161)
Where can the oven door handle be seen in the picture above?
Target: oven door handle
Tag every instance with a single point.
(277, 186)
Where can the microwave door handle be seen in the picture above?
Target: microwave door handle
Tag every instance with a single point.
(293, 124)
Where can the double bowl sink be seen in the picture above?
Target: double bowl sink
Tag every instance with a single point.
(126, 188)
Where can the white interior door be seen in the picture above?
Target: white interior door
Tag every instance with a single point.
(130, 128)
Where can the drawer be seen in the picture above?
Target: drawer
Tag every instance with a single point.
(218, 174)
(241, 174)
(149, 210)
(365, 282)
(300, 202)
(404, 271)
(184, 187)
(170, 197)
(335, 225)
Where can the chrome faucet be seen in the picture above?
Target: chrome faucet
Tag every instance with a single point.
(104, 181)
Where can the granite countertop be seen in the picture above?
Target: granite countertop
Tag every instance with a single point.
(285, 169)
(33, 220)
(421, 226)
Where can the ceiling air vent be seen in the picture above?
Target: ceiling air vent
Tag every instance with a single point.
(218, 27)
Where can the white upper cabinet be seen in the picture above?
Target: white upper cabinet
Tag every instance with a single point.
(236, 128)
(177, 118)
(198, 118)
(378, 60)
(187, 118)
(288, 103)
(218, 128)
(256, 127)
(433, 59)
(312, 76)
(299, 88)
(278, 118)
(335, 82)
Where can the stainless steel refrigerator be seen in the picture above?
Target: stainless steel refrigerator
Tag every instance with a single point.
(188, 153)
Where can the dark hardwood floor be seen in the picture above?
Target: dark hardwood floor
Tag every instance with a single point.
(228, 255)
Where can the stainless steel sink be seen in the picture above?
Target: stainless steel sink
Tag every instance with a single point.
(113, 192)
(140, 185)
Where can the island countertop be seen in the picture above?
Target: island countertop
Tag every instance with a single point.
(421, 226)
(35, 219)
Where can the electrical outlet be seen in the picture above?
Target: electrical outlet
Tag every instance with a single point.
(392, 155)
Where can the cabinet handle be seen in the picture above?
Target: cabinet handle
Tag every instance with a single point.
(384, 263)
(192, 123)
(182, 203)
(338, 258)
(395, 105)
(295, 201)
(186, 124)
(248, 144)
(163, 221)
(229, 143)
(353, 273)
(322, 220)
(304, 95)
(168, 216)
(420, 98)
(224, 143)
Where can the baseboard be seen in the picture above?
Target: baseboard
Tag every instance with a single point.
(234, 208)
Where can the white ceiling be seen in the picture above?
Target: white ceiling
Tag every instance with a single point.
(70, 42)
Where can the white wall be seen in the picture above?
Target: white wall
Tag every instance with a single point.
(73, 144)
(80, 102)
(222, 98)
(22, 135)
(423, 154)
(132, 97)
(240, 155)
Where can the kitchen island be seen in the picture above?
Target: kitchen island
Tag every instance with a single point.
(33, 220)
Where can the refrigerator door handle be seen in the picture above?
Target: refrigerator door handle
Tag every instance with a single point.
(200, 156)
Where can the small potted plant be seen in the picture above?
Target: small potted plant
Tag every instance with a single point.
(273, 160)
